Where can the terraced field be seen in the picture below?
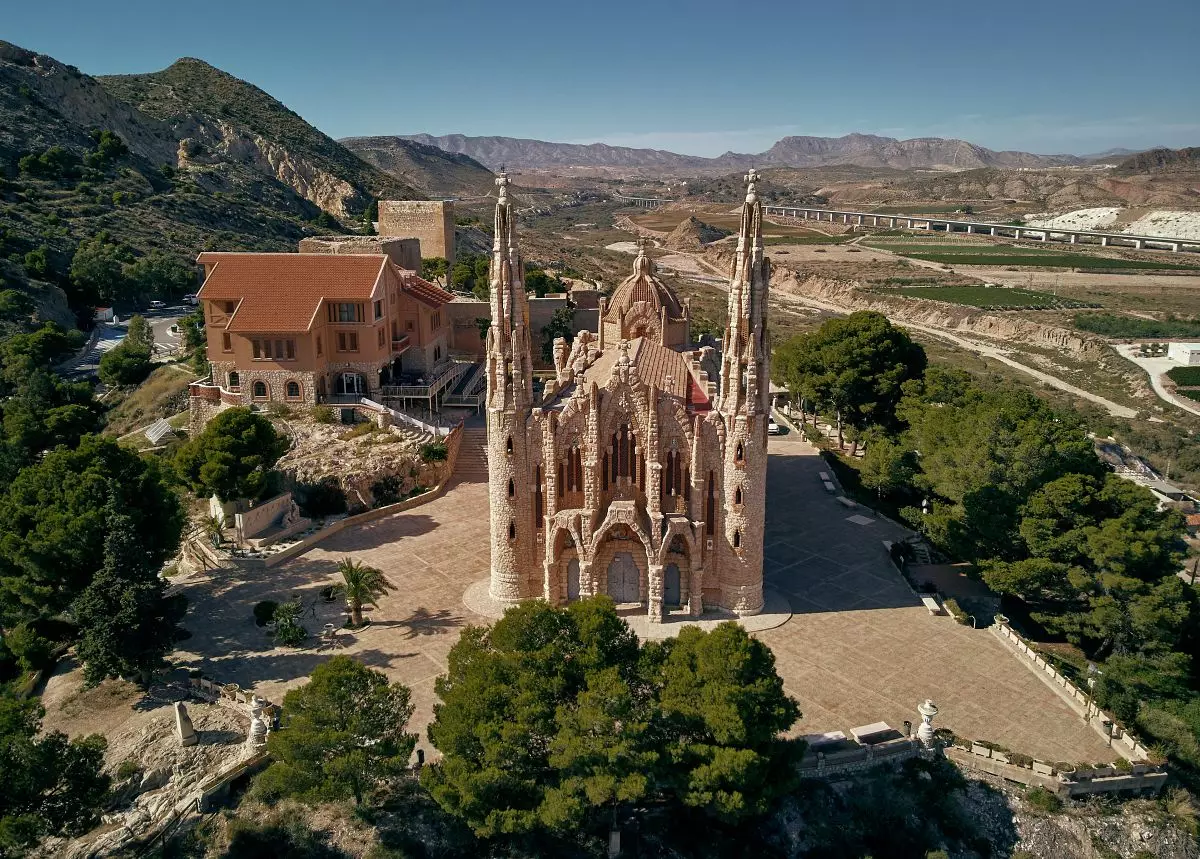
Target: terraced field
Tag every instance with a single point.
(988, 297)
(1010, 255)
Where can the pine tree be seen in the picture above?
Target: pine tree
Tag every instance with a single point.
(127, 622)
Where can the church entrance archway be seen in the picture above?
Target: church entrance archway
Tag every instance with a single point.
(623, 579)
(671, 592)
(573, 580)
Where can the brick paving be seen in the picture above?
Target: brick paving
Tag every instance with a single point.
(858, 649)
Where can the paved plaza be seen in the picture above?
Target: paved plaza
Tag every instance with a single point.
(859, 647)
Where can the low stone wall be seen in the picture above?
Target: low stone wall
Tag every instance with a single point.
(855, 760)
(1124, 743)
(1141, 778)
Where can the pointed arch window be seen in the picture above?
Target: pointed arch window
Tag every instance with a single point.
(737, 539)
(739, 455)
(512, 530)
(508, 446)
(538, 504)
(512, 488)
(737, 496)
(623, 453)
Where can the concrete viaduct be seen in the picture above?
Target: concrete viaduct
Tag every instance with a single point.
(982, 227)
(947, 225)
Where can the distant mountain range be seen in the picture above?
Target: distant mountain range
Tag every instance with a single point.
(865, 150)
(433, 170)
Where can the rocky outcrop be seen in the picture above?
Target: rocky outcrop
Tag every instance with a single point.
(693, 234)
(938, 314)
(325, 453)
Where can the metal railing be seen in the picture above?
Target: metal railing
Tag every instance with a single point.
(437, 430)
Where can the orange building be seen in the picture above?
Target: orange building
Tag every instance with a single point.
(319, 328)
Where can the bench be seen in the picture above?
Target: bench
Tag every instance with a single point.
(876, 732)
(932, 605)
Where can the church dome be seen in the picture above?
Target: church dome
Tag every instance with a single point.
(641, 304)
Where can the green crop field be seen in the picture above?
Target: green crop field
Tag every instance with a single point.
(989, 297)
(964, 249)
(1048, 260)
(1189, 376)
(814, 239)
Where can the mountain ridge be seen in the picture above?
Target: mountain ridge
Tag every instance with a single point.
(867, 150)
(434, 171)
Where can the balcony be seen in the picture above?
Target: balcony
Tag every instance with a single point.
(400, 345)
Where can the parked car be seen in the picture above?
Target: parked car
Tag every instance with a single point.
(191, 298)
(157, 305)
(773, 428)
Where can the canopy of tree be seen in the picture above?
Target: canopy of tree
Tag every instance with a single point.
(342, 735)
(232, 458)
(54, 522)
(552, 715)
(51, 785)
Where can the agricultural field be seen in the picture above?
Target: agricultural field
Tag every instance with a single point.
(1188, 377)
(1000, 254)
(989, 297)
(1110, 325)
(1190, 393)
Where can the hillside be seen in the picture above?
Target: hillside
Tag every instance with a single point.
(866, 150)
(153, 197)
(230, 119)
(433, 171)
(1162, 160)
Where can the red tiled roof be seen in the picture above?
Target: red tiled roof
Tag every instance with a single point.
(281, 292)
(655, 363)
(1193, 519)
(424, 291)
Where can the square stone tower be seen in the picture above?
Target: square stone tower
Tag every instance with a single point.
(429, 221)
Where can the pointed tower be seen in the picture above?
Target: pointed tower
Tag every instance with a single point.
(744, 406)
(509, 401)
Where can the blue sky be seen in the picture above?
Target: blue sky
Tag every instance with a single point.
(698, 77)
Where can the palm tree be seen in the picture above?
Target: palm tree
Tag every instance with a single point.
(214, 529)
(363, 585)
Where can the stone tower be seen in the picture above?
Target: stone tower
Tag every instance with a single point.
(509, 401)
(744, 404)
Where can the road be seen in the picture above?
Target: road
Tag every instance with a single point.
(1156, 368)
(166, 342)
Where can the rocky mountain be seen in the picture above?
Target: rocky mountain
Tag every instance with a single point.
(434, 171)
(215, 117)
(515, 152)
(692, 234)
(1162, 161)
(866, 150)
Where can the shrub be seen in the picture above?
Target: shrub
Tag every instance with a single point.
(955, 610)
(316, 500)
(358, 431)
(279, 410)
(434, 451)
(33, 652)
(264, 612)
(1043, 800)
(125, 365)
(128, 769)
(288, 630)
(323, 415)
(388, 489)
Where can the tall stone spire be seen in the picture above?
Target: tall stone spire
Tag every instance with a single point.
(510, 362)
(509, 404)
(745, 381)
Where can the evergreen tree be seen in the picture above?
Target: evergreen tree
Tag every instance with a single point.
(126, 621)
(342, 735)
(233, 457)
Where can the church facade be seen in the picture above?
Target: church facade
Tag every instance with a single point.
(634, 474)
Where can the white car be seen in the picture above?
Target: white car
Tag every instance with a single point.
(773, 428)
(157, 305)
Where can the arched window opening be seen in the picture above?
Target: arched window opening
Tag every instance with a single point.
(235, 381)
(604, 472)
(260, 390)
(737, 496)
(508, 446)
(538, 506)
(558, 479)
(512, 530)
(512, 488)
(739, 455)
(737, 539)
(293, 390)
(710, 506)
(623, 454)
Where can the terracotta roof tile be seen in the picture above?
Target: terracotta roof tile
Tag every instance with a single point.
(281, 292)
(424, 291)
(664, 368)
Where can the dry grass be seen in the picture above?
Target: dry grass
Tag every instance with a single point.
(163, 394)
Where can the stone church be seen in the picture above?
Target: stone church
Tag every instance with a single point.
(633, 474)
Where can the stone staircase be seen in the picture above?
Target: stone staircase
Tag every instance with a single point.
(472, 456)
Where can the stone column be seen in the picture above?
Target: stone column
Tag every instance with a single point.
(586, 585)
(695, 603)
(1104, 241)
(654, 598)
(1074, 238)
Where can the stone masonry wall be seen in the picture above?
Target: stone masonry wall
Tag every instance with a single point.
(430, 221)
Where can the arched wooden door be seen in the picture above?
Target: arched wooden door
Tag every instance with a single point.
(623, 579)
(671, 592)
(573, 580)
